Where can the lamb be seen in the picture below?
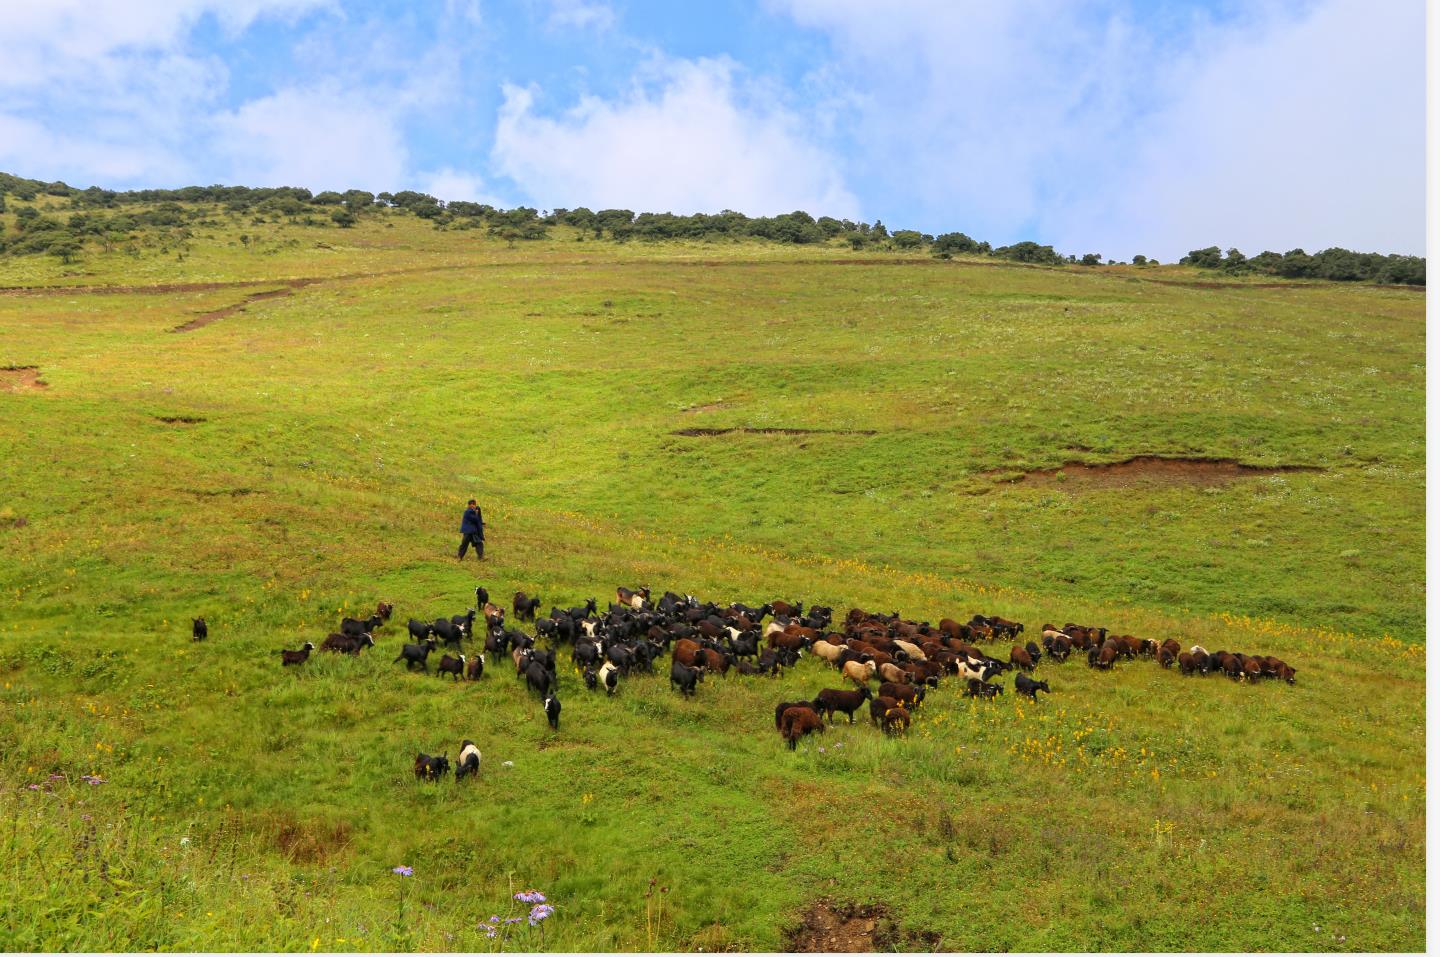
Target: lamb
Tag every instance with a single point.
(1027, 686)
(476, 669)
(552, 712)
(798, 722)
(453, 666)
(896, 721)
(609, 676)
(199, 631)
(469, 760)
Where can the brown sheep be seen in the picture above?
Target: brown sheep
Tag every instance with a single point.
(889, 672)
(903, 693)
(897, 720)
(1021, 659)
(878, 707)
(795, 723)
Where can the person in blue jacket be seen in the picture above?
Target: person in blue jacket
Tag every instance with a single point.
(472, 531)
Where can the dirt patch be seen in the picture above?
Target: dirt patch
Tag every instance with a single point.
(1155, 469)
(308, 842)
(707, 407)
(831, 928)
(13, 521)
(773, 431)
(21, 379)
(180, 419)
(232, 492)
(205, 318)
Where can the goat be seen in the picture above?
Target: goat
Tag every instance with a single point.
(297, 657)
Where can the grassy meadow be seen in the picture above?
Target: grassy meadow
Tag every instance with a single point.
(308, 454)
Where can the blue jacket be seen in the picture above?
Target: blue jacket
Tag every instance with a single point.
(472, 522)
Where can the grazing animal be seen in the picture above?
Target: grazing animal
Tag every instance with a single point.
(476, 669)
(198, 629)
(685, 677)
(1187, 663)
(552, 712)
(609, 676)
(1027, 686)
(795, 723)
(482, 597)
(455, 667)
(896, 721)
(431, 769)
(1021, 659)
(525, 606)
(384, 609)
(469, 760)
(358, 626)
(859, 672)
(878, 706)
(975, 688)
(347, 644)
(893, 672)
(832, 700)
(1034, 651)
(416, 654)
(297, 657)
(420, 630)
(1166, 657)
(903, 693)
(633, 599)
(539, 679)
(785, 706)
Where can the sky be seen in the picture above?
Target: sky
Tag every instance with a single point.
(1124, 127)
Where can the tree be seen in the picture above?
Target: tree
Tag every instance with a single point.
(1139, 259)
(67, 248)
(908, 238)
(1207, 258)
(1235, 261)
(343, 218)
(956, 243)
(1090, 259)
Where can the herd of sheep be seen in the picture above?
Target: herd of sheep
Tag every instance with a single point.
(903, 657)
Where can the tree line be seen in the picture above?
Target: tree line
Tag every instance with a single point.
(107, 218)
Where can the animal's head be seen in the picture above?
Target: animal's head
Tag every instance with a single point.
(367, 641)
(865, 693)
(197, 621)
(1043, 686)
(309, 646)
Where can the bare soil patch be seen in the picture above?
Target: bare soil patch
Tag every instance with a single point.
(205, 318)
(21, 378)
(1154, 469)
(772, 431)
(707, 407)
(180, 419)
(831, 928)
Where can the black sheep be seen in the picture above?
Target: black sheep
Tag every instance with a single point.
(198, 630)
(416, 654)
(419, 630)
(685, 677)
(538, 678)
(481, 596)
(297, 657)
(431, 769)
(1027, 686)
(552, 712)
(832, 700)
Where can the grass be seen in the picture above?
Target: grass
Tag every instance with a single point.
(334, 433)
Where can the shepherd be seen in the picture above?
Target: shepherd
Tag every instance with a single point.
(472, 531)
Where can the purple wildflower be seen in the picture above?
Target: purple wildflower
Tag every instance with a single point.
(539, 912)
(57, 777)
(92, 779)
(403, 871)
(494, 919)
(530, 897)
(513, 920)
(34, 787)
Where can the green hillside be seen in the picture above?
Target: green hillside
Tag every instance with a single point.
(739, 420)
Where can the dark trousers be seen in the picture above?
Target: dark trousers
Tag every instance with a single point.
(468, 539)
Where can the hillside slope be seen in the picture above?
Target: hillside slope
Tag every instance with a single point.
(740, 421)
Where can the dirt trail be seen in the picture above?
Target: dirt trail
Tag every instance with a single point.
(827, 927)
(1147, 468)
(205, 318)
(773, 431)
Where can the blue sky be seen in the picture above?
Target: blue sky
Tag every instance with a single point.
(1117, 128)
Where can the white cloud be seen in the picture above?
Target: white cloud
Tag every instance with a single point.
(1099, 130)
(690, 140)
(1288, 134)
(580, 14)
(449, 183)
(319, 138)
